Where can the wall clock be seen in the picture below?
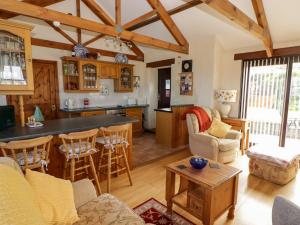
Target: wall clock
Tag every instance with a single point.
(187, 65)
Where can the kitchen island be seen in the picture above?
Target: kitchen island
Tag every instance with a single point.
(66, 125)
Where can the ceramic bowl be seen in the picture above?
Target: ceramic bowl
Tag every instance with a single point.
(198, 163)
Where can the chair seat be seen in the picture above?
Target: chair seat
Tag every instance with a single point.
(30, 158)
(107, 141)
(78, 148)
(228, 144)
(106, 209)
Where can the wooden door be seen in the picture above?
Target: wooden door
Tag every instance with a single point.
(164, 87)
(46, 94)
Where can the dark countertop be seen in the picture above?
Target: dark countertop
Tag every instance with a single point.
(109, 107)
(169, 110)
(66, 125)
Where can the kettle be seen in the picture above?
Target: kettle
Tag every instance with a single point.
(69, 103)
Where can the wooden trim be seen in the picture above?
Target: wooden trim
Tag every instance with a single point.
(62, 32)
(161, 63)
(171, 12)
(168, 21)
(69, 47)
(289, 51)
(263, 22)
(74, 21)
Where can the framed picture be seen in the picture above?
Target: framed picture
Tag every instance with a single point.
(186, 83)
(187, 66)
(136, 81)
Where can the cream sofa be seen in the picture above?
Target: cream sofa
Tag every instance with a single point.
(93, 210)
(203, 144)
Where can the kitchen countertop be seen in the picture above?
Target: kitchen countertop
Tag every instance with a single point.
(66, 125)
(109, 107)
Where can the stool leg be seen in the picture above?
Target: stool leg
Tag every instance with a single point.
(95, 174)
(65, 169)
(42, 169)
(127, 165)
(72, 169)
(100, 160)
(85, 160)
(108, 170)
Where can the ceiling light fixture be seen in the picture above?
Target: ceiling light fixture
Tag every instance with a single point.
(56, 23)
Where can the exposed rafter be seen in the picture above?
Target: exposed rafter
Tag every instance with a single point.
(140, 19)
(168, 22)
(78, 13)
(118, 11)
(263, 22)
(38, 12)
(62, 33)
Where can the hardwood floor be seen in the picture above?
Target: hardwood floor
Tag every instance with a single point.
(255, 196)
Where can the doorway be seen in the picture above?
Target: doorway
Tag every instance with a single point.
(46, 92)
(164, 88)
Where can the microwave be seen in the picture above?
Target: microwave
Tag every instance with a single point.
(7, 117)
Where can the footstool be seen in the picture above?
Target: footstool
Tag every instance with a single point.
(275, 164)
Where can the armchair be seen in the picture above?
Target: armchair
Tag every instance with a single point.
(223, 150)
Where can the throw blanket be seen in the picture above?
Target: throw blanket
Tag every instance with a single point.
(202, 116)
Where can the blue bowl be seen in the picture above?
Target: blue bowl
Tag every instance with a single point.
(198, 163)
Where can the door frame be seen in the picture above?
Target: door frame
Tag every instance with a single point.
(54, 63)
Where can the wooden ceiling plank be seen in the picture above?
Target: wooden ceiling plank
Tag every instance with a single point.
(52, 15)
(263, 22)
(118, 11)
(154, 19)
(64, 46)
(62, 33)
(168, 22)
(44, 3)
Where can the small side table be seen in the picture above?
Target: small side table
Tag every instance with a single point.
(242, 125)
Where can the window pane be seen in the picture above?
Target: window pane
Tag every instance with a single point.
(168, 84)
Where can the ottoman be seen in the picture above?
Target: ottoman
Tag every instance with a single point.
(275, 164)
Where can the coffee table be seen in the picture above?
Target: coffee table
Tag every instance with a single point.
(206, 193)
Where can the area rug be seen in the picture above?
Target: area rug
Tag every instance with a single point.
(152, 211)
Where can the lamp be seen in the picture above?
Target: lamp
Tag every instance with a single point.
(226, 97)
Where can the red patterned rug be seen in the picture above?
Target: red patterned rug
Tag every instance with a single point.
(152, 211)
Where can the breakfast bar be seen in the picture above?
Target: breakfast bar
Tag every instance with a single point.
(66, 125)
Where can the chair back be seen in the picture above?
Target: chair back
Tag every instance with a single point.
(115, 135)
(192, 124)
(29, 154)
(79, 143)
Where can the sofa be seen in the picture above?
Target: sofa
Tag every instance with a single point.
(285, 212)
(93, 209)
(223, 150)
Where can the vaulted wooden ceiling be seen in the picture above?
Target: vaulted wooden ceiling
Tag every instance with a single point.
(111, 26)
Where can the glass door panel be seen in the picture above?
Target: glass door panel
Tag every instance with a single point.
(265, 103)
(89, 76)
(12, 59)
(293, 121)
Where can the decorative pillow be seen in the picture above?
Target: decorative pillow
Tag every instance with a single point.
(218, 129)
(55, 198)
(18, 203)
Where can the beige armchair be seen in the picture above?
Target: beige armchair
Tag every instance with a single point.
(201, 143)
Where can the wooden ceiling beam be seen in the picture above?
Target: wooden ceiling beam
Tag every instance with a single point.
(97, 37)
(168, 22)
(69, 47)
(44, 3)
(145, 20)
(118, 12)
(38, 12)
(62, 33)
(263, 22)
(78, 13)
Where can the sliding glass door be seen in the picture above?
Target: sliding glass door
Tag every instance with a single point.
(271, 100)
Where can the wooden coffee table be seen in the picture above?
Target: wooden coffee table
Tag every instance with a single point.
(206, 193)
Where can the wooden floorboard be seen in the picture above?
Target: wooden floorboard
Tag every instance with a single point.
(255, 197)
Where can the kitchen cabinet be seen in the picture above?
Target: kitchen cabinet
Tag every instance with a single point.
(109, 70)
(93, 113)
(89, 75)
(124, 83)
(16, 76)
(137, 128)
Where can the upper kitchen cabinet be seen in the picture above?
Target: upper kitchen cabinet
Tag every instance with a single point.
(109, 70)
(125, 81)
(16, 75)
(89, 74)
(71, 74)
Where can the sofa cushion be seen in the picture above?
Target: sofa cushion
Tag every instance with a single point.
(11, 163)
(228, 144)
(55, 198)
(18, 204)
(84, 191)
(106, 209)
(218, 129)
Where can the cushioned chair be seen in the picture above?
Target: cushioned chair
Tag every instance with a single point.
(285, 212)
(223, 150)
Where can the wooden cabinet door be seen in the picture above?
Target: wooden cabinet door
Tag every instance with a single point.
(46, 94)
(125, 81)
(89, 76)
(93, 113)
(138, 114)
(108, 70)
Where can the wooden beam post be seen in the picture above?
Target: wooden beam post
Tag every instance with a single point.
(263, 22)
(118, 11)
(78, 12)
(22, 113)
(62, 32)
(168, 21)
(38, 12)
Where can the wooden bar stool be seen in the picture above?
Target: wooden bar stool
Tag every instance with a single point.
(29, 154)
(114, 145)
(78, 148)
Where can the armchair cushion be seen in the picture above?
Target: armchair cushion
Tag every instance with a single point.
(84, 191)
(218, 129)
(106, 209)
(228, 144)
(234, 134)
